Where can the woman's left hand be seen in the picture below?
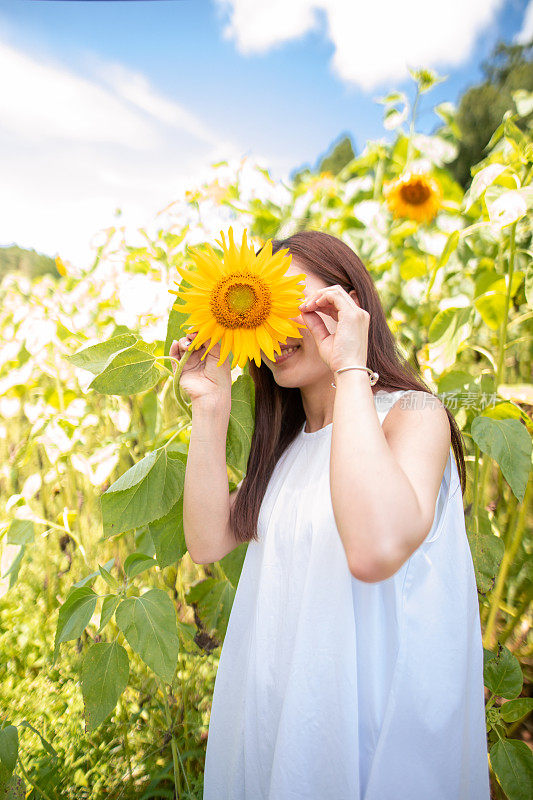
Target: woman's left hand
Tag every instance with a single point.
(349, 343)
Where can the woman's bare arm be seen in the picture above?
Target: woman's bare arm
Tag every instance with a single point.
(384, 479)
(206, 497)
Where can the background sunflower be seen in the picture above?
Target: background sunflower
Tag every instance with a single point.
(413, 195)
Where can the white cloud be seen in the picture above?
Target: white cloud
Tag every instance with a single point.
(258, 27)
(73, 150)
(525, 34)
(374, 42)
(47, 101)
(135, 88)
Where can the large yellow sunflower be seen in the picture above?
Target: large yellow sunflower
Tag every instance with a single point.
(244, 301)
(413, 195)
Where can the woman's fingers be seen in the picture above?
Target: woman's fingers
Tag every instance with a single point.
(179, 347)
(330, 300)
(316, 325)
(324, 305)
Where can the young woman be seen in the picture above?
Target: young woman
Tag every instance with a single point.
(352, 667)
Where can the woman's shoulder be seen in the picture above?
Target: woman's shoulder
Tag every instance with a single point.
(421, 417)
(418, 433)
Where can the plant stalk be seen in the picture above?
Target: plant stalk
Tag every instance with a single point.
(508, 558)
(412, 128)
(475, 494)
(379, 179)
(500, 369)
(517, 616)
(177, 782)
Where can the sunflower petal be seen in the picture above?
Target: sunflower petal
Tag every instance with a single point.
(282, 325)
(265, 342)
(225, 347)
(236, 348)
(251, 346)
(193, 278)
(209, 264)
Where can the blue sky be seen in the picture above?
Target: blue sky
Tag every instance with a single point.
(126, 103)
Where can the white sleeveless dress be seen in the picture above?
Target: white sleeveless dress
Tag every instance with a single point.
(330, 688)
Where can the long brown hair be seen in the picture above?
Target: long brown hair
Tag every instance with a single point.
(279, 412)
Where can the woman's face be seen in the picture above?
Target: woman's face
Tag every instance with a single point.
(305, 366)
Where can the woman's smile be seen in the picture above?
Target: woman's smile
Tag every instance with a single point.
(285, 355)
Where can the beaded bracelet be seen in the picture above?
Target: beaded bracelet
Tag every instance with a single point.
(373, 375)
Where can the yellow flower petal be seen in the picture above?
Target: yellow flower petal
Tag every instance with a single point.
(225, 348)
(60, 265)
(194, 278)
(265, 343)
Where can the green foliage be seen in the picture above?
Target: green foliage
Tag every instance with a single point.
(136, 563)
(98, 356)
(74, 615)
(482, 107)
(67, 762)
(21, 531)
(131, 370)
(232, 563)
(509, 444)
(487, 552)
(9, 746)
(511, 761)
(144, 493)
(149, 625)
(341, 154)
(241, 422)
(105, 675)
(502, 674)
(213, 599)
(516, 710)
(168, 536)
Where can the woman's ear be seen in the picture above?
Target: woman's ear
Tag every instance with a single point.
(353, 295)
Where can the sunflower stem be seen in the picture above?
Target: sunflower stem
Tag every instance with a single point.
(412, 129)
(378, 182)
(163, 366)
(178, 394)
(176, 433)
(507, 560)
(502, 338)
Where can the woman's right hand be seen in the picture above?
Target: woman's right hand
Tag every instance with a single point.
(203, 379)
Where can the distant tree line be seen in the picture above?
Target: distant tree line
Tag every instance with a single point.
(25, 262)
(482, 107)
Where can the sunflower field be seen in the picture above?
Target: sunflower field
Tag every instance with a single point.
(109, 633)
